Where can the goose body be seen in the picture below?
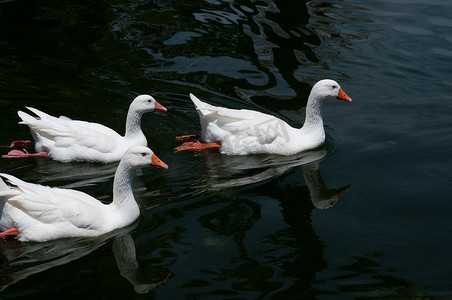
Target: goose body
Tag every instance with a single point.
(72, 140)
(41, 213)
(241, 132)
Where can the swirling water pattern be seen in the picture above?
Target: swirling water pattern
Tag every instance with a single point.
(243, 227)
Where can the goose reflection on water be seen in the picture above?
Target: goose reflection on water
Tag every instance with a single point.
(71, 175)
(23, 259)
(235, 171)
(125, 255)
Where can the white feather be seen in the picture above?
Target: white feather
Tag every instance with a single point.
(43, 213)
(67, 140)
(249, 132)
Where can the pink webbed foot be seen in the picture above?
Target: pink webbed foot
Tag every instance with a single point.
(9, 233)
(24, 153)
(22, 144)
(197, 146)
(187, 137)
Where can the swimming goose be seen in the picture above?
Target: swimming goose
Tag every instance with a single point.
(33, 212)
(67, 140)
(240, 132)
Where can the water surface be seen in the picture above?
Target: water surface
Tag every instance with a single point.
(250, 227)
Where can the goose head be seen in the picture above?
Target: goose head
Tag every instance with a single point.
(146, 103)
(142, 156)
(328, 88)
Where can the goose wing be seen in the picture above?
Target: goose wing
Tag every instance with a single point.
(220, 122)
(54, 205)
(63, 132)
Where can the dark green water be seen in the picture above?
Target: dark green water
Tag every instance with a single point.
(257, 227)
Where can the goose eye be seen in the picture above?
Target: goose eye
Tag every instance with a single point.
(334, 87)
(149, 101)
(144, 154)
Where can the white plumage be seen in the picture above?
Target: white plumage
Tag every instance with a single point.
(250, 132)
(42, 213)
(70, 140)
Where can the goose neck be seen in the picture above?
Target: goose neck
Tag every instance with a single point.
(313, 117)
(133, 124)
(122, 184)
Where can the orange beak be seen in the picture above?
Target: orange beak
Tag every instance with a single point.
(343, 96)
(157, 162)
(159, 107)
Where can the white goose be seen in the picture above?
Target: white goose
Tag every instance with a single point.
(240, 132)
(33, 212)
(67, 140)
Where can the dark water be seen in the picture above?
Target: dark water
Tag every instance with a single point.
(243, 227)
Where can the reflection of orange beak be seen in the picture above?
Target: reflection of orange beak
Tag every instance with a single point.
(159, 107)
(157, 162)
(343, 96)
(342, 191)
